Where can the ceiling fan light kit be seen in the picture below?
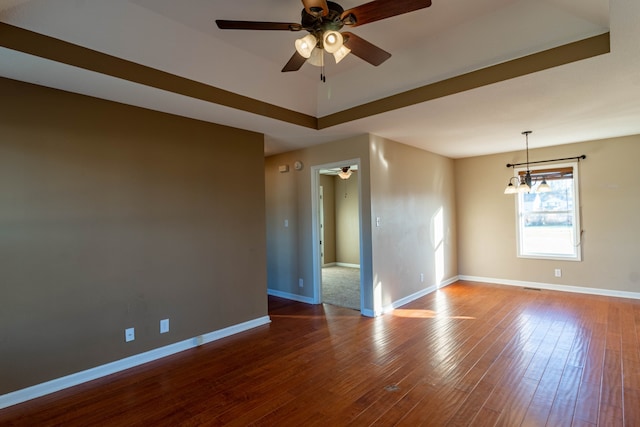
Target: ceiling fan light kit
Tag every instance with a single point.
(345, 173)
(323, 20)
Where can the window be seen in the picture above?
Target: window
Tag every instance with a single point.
(549, 222)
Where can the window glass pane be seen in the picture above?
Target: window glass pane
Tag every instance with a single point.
(547, 222)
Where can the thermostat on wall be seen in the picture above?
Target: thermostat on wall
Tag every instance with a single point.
(298, 165)
(283, 168)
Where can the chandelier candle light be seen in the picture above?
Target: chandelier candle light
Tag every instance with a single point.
(524, 183)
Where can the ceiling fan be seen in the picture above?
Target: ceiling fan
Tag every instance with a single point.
(323, 20)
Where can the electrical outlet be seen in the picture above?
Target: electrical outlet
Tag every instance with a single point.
(558, 272)
(164, 326)
(286, 223)
(301, 283)
(129, 334)
(421, 277)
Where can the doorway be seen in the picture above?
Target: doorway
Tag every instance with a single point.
(337, 235)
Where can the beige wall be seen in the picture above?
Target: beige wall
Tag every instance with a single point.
(341, 240)
(114, 217)
(610, 202)
(347, 219)
(404, 186)
(412, 192)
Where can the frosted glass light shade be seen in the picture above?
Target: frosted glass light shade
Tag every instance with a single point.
(316, 57)
(345, 174)
(332, 41)
(341, 53)
(523, 187)
(305, 45)
(511, 189)
(543, 187)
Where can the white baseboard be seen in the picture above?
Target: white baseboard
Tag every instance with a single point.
(554, 287)
(346, 264)
(287, 295)
(340, 264)
(58, 384)
(406, 300)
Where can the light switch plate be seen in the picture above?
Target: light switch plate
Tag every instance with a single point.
(164, 326)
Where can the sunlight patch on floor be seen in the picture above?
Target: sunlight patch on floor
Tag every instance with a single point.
(425, 314)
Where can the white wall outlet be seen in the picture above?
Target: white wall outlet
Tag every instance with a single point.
(286, 223)
(301, 283)
(558, 272)
(421, 277)
(129, 334)
(164, 326)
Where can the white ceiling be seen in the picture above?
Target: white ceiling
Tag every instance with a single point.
(590, 99)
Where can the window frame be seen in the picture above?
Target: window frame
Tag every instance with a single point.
(577, 233)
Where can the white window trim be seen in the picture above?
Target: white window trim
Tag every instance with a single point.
(577, 231)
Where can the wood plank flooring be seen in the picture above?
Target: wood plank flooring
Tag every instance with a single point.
(469, 354)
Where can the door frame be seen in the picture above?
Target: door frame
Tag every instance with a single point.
(315, 224)
(320, 210)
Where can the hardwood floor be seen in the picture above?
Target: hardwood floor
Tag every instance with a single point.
(470, 354)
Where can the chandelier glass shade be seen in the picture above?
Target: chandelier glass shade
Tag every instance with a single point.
(524, 183)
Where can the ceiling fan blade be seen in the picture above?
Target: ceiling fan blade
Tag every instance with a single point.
(257, 25)
(365, 50)
(381, 9)
(316, 7)
(294, 63)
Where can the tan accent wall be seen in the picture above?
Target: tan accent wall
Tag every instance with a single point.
(113, 217)
(412, 194)
(288, 197)
(347, 219)
(610, 203)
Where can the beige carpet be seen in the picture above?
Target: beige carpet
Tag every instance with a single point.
(341, 286)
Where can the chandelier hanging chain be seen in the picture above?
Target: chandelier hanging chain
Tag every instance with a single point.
(526, 136)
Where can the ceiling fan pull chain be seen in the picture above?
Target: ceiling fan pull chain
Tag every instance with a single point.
(323, 78)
